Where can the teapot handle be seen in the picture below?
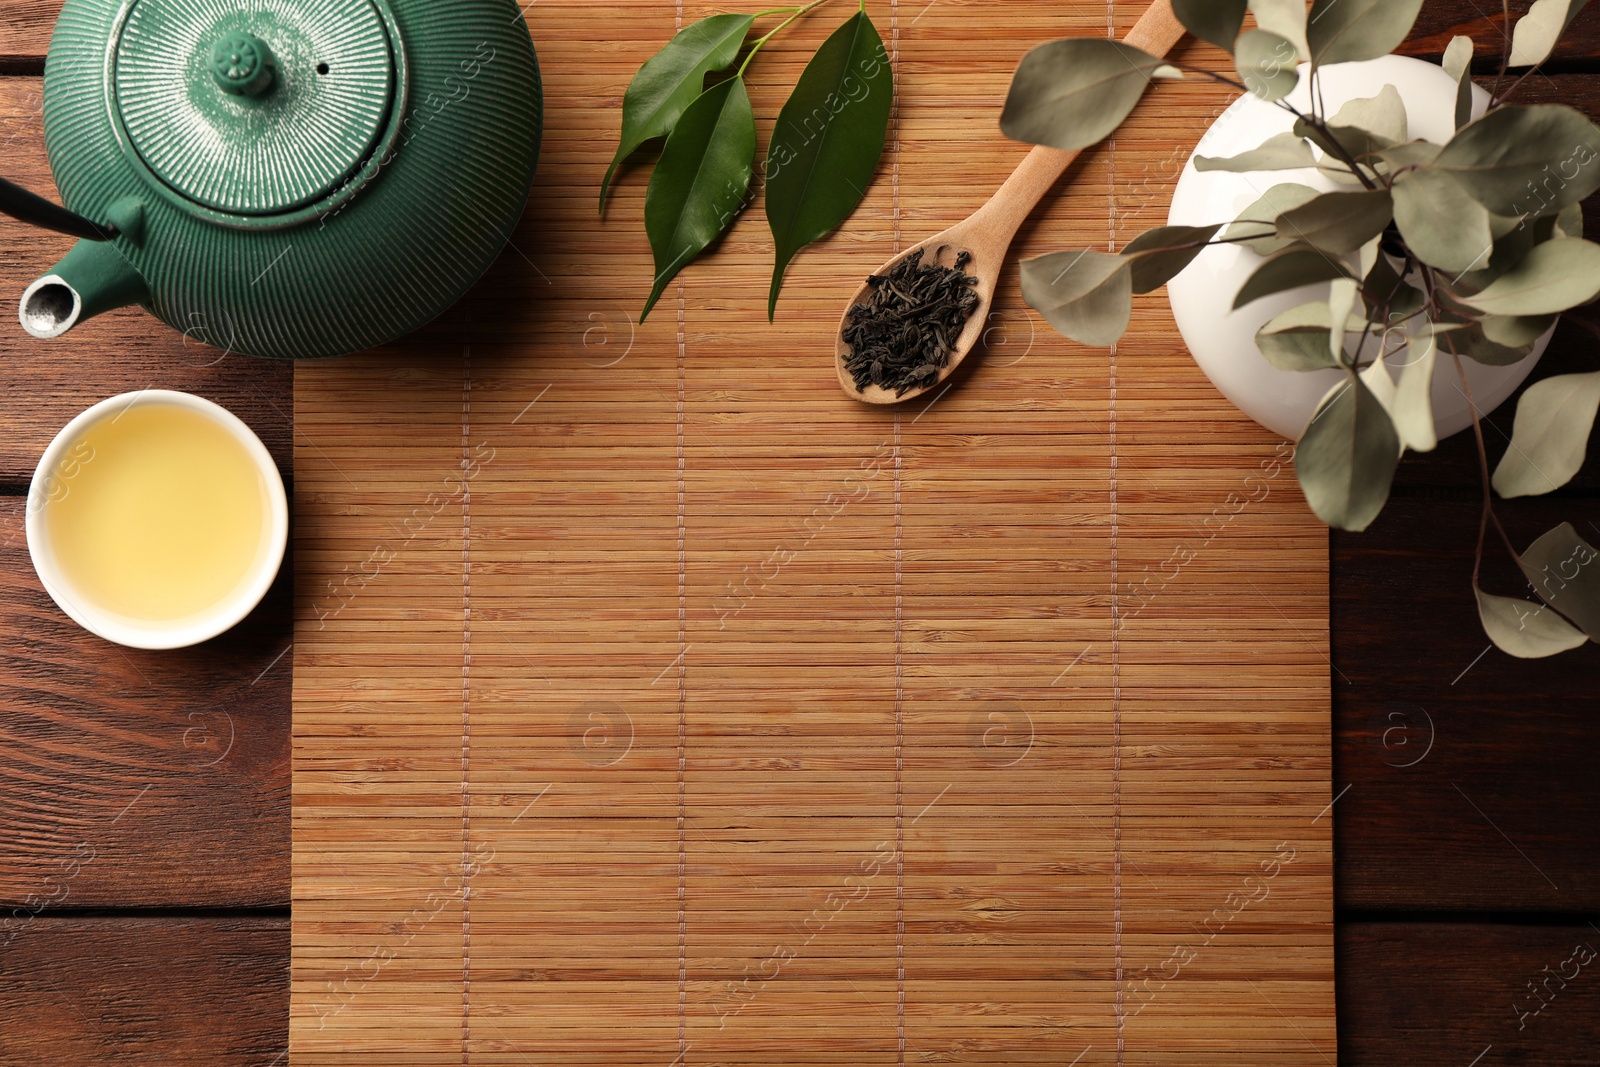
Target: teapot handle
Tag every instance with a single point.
(35, 210)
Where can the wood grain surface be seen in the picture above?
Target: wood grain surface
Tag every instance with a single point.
(127, 776)
(668, 706)
(146, 991)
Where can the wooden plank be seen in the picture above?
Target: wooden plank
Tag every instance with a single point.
(949, 777)
(1471, 782)
(128, 777)
(1486, 23)
(159, 991)
(1463, 993)
(48, 382)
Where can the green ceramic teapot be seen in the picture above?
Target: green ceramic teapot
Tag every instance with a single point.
(283, 178)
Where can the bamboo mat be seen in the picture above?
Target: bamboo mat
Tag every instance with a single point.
(656, 704)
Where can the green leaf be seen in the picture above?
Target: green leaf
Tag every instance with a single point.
(700, 182)
(1554, 277)
(1338, 222)
(1287, 19)
(671, 80)
(1359, 143)
(1526, 630)
(1068, 94)
(1412, 406)
(827, 141)
(1458, 64)
(1383, 115)
(1216, 21)
(1466, 338)
(1160, 255)
(1299, 339)
(1550, 435)
(1289, 269)
(1346, 460)
(1342, 300)
(1569, 223)
(1283, 151)
(1520, 161)
(1345, 31)
(1410, 154)
(1516, 331)
(1267, 64)
(1441, 221)
(1088, 296)
(1261, 217)
(1538, 31)
(1561, 568)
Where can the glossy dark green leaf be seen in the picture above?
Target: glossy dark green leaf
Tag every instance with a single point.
(1068, 94)
(700, 182)
(1289, 269)
(1160, 255)
(1347, 457)
(1550, 436)
(1525, 629)
(671, 80)
(1086, 295)
(1338, 222)
(1442, 222)
(1519, 161)
(1261, 217)
(827, 141)
(1562, 568)
(1283, 151)
(1538, 31)
(1347, 31)
(1216, 21)
(1267, 63)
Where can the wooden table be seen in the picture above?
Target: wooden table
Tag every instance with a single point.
(144, 798)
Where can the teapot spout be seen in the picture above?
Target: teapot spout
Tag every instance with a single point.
(95, 277)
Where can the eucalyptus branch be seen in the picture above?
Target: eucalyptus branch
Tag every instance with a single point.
(1505, 52)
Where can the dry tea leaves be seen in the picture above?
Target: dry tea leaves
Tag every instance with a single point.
(902, 336)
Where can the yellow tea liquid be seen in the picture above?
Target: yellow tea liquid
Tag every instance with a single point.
(155, 513)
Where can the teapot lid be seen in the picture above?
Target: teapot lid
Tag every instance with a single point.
(253, 107)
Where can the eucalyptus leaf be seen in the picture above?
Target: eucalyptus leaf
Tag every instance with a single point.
(1519, 161)
(1216, 21)
(827, 141)
(1383, 115)
(1070, 93)
(1554, 277)
(1289, 269)
(1352, 140)
(700, 181)
(1345, 31)
(1468, 339)
(1538, 31)
(1458, 64)
(1338, 222)
(1283, 151)
(671, 80)
(1261, 217)
(1550, 435)
(1383, 286)
(1342, 299)
(1524, 629)
(1161, 254)
(1412, 407)
(1569, 223)
(1514, 331)
(1441, 221)
(1346, 460)
(1299, 339)
(1267, 64)
(1086, 295)
(1410, 154)
(1562, 568)
(1286, 19)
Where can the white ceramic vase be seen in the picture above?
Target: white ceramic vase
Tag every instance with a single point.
(1223, 341)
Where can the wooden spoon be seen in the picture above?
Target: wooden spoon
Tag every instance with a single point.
(987, 233)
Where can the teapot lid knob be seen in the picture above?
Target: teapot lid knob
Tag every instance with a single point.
(242, 64)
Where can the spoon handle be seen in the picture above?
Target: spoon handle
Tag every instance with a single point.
(1158, 31)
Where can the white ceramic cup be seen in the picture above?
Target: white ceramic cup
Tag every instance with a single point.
(194, 629)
